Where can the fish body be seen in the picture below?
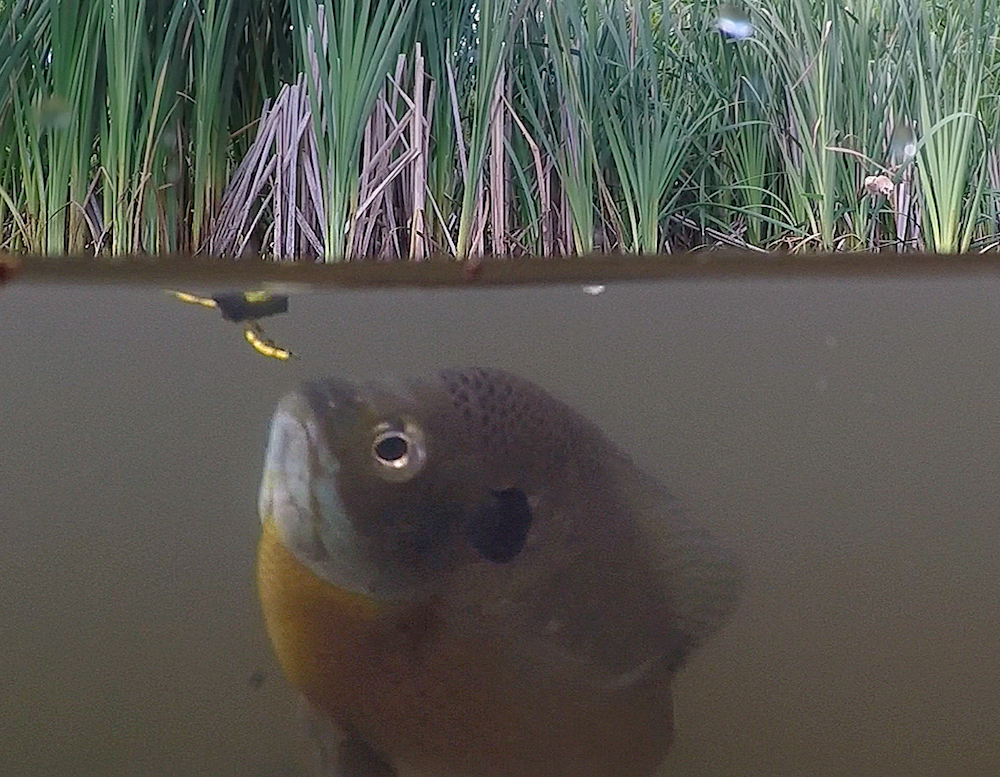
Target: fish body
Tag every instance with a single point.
(465, 578)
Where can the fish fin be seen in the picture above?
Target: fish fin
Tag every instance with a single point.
(705, 579)
(335, 752)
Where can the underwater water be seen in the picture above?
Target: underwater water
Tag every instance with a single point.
(842, 434)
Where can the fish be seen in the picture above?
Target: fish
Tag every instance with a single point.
(463, 576)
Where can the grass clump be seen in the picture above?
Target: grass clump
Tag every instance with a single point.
(402, 128)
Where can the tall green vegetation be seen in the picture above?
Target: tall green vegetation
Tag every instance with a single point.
(954, 60)
(347, 50)
(405, 128)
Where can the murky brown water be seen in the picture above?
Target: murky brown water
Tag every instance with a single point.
(843, 434)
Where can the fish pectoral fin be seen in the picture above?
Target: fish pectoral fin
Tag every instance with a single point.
(609, 681)
(334, 752)
(355, 758)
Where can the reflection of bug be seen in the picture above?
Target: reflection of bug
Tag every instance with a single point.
(245, 308)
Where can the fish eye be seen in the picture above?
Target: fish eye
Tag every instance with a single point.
(398, 450)
(392, 449)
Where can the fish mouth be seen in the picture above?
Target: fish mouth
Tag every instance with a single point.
(299, 494)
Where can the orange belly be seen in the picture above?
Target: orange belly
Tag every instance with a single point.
(444, 699)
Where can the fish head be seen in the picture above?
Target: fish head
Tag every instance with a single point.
(374, 487)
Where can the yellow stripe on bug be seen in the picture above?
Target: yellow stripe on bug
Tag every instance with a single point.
(192, 299)
(264, 346)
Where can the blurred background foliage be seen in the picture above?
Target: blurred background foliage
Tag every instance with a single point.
(400, 129)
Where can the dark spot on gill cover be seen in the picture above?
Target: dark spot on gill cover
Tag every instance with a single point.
(499, 527)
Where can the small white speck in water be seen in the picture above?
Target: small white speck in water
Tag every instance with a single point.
(593, 290)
